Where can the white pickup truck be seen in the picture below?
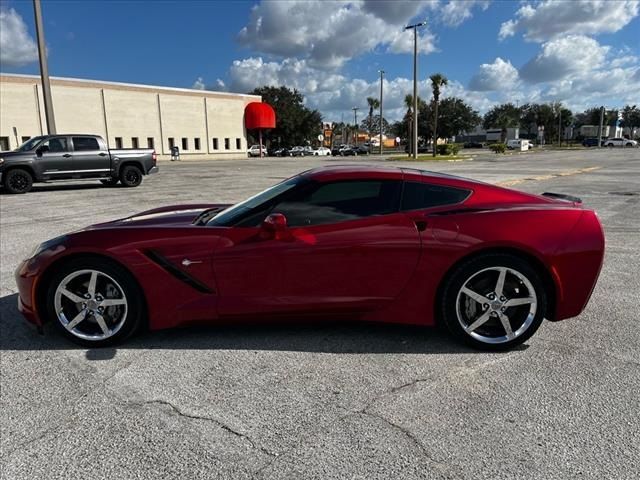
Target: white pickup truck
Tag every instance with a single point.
(620, 142)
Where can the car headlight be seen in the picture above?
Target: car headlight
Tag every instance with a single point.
(54, 242)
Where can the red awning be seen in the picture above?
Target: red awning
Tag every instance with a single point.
(259, 115)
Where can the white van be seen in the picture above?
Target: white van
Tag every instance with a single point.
(519, 144)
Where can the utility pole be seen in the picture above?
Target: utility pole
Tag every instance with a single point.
(560, 125)
(355, 123)
(44, 71)
(415, 86)
(381, 77)
(600, 126)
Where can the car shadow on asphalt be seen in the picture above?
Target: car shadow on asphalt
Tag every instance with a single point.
(60, 187)
(319, 337)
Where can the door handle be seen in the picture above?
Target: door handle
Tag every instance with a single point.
(66, 155)
(421, 225)
(102, 154)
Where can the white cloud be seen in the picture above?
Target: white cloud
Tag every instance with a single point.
(573, 54)
(499, 75)
(458, 11)
(334, 94)
(551, 18)
(17, 47)
(198, 84)
(328, 34)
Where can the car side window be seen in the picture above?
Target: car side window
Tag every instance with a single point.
(341, 201)
(56, 145)
(81, 144)
(417, 195)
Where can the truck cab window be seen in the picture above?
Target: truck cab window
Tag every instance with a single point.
(81, 144)
(56, 145)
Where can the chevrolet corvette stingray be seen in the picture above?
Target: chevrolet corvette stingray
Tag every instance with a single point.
(344, 242)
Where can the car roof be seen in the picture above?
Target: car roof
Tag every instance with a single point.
(350, 171)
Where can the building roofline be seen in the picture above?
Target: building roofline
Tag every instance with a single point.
(137, 86)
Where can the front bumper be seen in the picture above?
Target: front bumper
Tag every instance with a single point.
(25, 280)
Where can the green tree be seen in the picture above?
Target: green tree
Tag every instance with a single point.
(372, 124)
(455, 117)
(423, 119)
(374, 104)
(502, 116)
(631, 118)
(437, 82)
(295, 123)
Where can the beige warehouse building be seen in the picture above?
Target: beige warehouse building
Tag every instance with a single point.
(202, 124)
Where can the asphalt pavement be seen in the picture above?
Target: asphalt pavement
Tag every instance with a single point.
(334, 400)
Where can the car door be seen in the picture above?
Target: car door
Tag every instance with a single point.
(54, 157)
(348, 248)
(90, 158)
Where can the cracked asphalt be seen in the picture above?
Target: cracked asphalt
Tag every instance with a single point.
(326, 401)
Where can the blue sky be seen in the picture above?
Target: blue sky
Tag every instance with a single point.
(583, 53)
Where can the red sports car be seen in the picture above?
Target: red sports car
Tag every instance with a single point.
(358, 242)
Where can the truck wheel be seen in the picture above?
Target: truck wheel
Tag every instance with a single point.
(110, 182)
(130, 176)
(18, 181)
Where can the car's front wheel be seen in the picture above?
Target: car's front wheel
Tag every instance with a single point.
(494, 301)
(94, 302)
(17, 181)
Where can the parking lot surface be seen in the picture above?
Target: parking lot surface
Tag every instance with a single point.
(327, 400)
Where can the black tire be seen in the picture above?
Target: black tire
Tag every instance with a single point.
(458, 308)
(110, 182)
(17, 181)
(129, 319)
(130, 176)
(610, 145)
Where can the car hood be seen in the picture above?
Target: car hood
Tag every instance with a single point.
(169, 216)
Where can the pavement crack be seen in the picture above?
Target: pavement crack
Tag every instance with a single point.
(178, 411)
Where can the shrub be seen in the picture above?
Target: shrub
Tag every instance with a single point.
(448, 149)
(498, 147)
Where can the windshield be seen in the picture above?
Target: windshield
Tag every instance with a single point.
(29, 144)
(229, 216)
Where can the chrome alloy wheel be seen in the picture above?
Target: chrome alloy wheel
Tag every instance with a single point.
(90, 304)
(496, 305)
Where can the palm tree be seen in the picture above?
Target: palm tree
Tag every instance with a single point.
(374, 103)
(437, 80)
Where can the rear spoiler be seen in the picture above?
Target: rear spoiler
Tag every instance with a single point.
(562, 196)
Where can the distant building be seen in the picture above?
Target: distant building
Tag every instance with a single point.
(201, 123)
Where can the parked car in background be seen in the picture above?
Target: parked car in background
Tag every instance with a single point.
(254, 151)
(282, 152)
(73, 156)
(473, 145)
(298, 151)
(322, 151)
(347, 150)
(620, 142)
(361, 150)
(591, 142)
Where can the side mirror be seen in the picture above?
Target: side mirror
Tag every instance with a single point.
(42, 149)
(274, 226)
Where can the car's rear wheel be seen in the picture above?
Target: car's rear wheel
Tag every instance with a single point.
(94, 302)
(494, 301)
(17, 181)
(130, 176)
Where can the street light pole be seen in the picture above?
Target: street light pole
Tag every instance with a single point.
(415, 85)
(44, 71)
(560, 125)
(381, 77)
(355, 123)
